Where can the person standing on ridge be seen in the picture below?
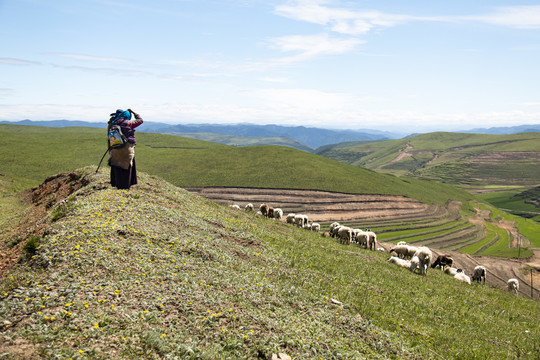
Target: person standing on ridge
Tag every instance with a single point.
(122, 159)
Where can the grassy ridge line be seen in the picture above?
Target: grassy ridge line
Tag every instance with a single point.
(158, 271)
(36, 152)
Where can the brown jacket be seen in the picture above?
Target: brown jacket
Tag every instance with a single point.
(122, 157)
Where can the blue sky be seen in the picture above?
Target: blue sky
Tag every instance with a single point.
(412, 66)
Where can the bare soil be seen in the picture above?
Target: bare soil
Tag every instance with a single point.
(35, 220)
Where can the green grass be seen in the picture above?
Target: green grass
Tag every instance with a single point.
(34, 153)
(491, 235)
(158, 272)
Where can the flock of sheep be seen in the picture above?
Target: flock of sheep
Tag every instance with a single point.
(416, 259)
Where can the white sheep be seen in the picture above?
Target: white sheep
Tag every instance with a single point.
(411, 250)
(360, 237)
(299, 220)
(332, 229)
(461, 276)
(381, 249)
(513, 285)
(345, 235)
(278, 213)
(290, 218)
(307, 227)
(234, 206)
(401, 251)
(249, 207)
(415, 265)
(479, 274)
(452, 271)
(402, 243)
(316, 227)
(425, 255)
(372, 240)
(400, 262)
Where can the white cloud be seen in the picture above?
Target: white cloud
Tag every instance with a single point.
(340, 20)
(310, 46)
(520, 17)
(89, 57)
(13, 61)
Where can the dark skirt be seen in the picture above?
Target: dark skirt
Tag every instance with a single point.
(123, 179)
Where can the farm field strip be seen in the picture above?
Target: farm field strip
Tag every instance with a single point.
(475, 248)
(415, 231)
(426, 236)
(455, 240)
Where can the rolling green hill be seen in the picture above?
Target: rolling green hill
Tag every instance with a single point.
(158, 272)
(457, 158)
(33, 153)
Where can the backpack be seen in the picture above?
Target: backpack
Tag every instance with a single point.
(117, 139)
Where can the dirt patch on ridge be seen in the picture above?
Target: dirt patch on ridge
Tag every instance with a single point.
(35, 220)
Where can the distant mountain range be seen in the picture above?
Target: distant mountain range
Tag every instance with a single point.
(299, 137)
(505, 130)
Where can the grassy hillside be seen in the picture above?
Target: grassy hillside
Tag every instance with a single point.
(462, 159)
(158, 272)
(33, 153)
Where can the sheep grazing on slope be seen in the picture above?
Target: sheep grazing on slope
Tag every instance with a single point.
(290, 218)
(415, 265)
(425, 255)
(442, 261)
(249, 207)
(402, 243)
(479, 274)
(513, 285)
(411, 250)
(344, 235)
(270, 213)
(461, 276)
(316, 227)
(360, 237)
(372, 240)
(278, 213)
(332, 229)
(264, 209)
(451, 270)
(404, 251)
(300, 220)
(400, 262)
(400, 250)
(234, 206)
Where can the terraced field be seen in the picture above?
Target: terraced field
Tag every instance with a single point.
(393, 218)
